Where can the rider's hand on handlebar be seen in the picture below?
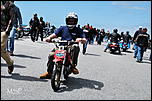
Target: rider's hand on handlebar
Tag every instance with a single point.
(48, 39)
(82, 40)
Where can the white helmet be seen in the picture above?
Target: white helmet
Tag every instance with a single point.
(71, 20)
(140, 27)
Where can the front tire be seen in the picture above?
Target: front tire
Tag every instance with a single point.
(55, 79)
(65, 73)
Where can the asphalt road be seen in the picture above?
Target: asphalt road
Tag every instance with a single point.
(103, 76)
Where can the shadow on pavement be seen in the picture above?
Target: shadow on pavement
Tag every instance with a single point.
(15, 66)
(78, 83)
(128, 51)
(17, 76)
(26, 56)
(117, 53)
(92, 54)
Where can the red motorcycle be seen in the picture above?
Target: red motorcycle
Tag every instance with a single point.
(63, 62)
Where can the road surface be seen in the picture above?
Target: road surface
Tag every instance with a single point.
(103, 76)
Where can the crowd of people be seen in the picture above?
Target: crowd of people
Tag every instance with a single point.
(11, 19)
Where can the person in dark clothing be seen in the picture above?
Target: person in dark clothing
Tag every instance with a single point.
(99, 36)
(40, 29)
(7, 20)
(91, 32)
(135, 43)
(142, 44)
(137, 32)
(102, 35)
(34, 23)
(17, 23)
(86, 33)
(114, 37)
(127, 37)
(94, 35)
(122, 35)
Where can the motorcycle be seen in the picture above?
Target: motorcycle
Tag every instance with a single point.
(63, 63)
(124, 46)
(114, 47)
(48, 31)
(24, 30)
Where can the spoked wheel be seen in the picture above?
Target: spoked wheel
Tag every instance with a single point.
(55, 80)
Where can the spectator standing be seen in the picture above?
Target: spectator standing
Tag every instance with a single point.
(7, 20)
(18, 20)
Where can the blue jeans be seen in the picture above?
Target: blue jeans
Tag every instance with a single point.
(10, 42)
(92, 41)
(135, 50)
(140, 52)
(128, 45)
(85, 46)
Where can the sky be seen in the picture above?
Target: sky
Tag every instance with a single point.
(123, 15)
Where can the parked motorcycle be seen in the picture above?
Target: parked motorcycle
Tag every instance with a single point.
(24, 30)
(48, 31)
(63, 63)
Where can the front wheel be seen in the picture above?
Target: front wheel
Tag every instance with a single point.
(55, 80)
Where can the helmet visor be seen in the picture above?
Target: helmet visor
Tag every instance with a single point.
(71, 21)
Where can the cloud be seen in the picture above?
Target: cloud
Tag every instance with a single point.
(135, 7)
(129, 5)
(120, 3)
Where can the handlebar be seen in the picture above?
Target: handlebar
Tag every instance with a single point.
(65, 42)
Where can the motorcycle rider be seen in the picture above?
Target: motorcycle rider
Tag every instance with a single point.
(127, 38)
(114, 37)
(122, 35)
(68, 32)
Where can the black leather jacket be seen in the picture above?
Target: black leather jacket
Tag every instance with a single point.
(115, 37)
(7, 18)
